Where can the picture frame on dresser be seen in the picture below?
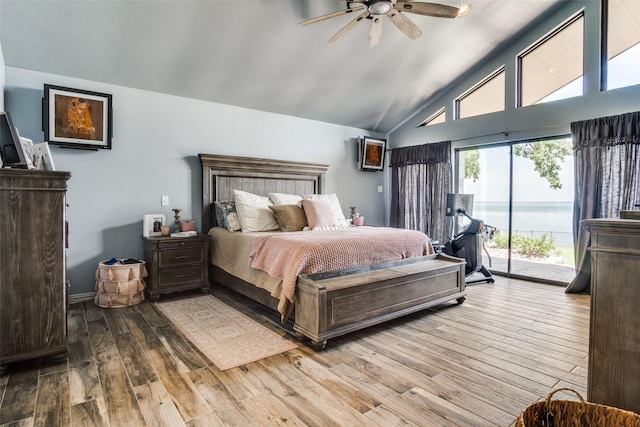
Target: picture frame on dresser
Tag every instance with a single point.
(151, 224)
(75, 118)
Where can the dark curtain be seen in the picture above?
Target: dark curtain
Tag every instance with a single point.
(607, 174)
(421, 177)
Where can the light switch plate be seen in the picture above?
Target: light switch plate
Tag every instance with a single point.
(164, 200)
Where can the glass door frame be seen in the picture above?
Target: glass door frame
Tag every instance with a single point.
(458, 168)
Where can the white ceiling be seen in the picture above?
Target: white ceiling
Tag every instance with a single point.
(253, 53)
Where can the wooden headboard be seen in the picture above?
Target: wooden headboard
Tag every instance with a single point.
(223, 174)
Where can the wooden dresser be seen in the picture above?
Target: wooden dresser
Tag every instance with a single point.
(176, 264)
(33, 302)
(614, 339)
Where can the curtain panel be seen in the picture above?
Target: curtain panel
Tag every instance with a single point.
(421, 177)
(607, 179)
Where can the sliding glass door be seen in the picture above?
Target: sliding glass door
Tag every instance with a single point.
(524, 190)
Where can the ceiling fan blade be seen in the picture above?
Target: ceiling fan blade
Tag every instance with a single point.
(330, 15)
(343, 32)
(375, 30)
(404, 24)
(428, 9)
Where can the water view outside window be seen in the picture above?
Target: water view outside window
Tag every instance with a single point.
(538, 214)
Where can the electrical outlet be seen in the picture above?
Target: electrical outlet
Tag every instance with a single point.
(379, 188)
(164, 200)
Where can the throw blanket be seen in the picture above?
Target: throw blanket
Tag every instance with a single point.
(287, 255)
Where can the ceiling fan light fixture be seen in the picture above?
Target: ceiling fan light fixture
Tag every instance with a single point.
(464, 9)
(380, 7)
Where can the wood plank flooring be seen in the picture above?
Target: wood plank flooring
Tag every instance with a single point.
(476, 364)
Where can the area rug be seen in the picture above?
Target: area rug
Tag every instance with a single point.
(226, 336)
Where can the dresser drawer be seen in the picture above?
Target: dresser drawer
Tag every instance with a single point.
(177, 257)
(181, 275)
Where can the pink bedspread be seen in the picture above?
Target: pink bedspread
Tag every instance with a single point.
(287, 255)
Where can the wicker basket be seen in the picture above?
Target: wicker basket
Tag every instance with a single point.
(120, 285)
(571, 413)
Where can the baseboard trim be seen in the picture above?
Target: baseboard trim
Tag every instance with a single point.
(76, 298)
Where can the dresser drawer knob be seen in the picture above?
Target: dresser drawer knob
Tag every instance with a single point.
(182, 257)
(182, 276)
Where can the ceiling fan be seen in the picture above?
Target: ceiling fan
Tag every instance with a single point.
(394, 10)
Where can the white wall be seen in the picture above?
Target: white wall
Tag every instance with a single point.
(542, 120)
(156, 141)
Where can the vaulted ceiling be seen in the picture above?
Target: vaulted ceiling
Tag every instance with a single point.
(253, 53)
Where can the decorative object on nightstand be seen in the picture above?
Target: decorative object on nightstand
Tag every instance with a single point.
(358, 219)
(176, 264)
(33, 285)
(176, 217)
(188, 226)
(152, 224)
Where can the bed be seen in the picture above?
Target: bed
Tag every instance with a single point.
(325, 304)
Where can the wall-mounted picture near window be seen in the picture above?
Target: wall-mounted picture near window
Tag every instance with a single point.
(75, 118)
(371, 154)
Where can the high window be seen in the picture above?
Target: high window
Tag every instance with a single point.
(488, 96)
(552, 68)
(623, 43)
(434, 119)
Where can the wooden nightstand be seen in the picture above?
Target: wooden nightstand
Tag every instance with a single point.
(176, 264)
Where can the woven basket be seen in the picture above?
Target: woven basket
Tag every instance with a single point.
(120, 285)
(120, 272)
(571, 413)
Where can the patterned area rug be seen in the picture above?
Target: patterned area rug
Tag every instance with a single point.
(226, 336)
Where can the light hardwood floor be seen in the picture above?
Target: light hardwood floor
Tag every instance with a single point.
(477, 364)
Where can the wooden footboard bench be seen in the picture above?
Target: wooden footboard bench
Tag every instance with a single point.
(336, 303)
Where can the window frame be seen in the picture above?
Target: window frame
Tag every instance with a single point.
(474, 88)
(542, 40)
(428, 120)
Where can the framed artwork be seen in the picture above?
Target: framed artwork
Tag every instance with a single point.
(151, 224)
(371, 154)
(76, 118)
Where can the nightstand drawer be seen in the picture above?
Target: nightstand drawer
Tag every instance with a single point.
(182, 243)
(177, 257)
(180, 275)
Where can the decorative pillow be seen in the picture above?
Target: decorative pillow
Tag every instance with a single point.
(319, 213)
(254, 212)
(284, 199)
(335, 204)
(226, 215)
(290, 217)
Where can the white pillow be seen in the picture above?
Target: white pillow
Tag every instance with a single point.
(335, 205)
(285, 199)
(254, 212)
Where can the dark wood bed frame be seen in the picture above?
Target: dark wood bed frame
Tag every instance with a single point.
(335, 303)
